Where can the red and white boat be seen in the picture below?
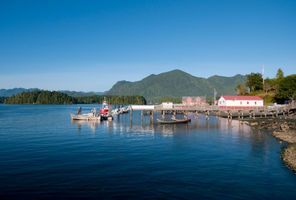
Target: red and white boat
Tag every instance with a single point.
(104, 111)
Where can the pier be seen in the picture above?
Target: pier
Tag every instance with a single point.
(213, 110)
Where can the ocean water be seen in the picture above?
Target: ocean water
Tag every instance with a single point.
(44, 155)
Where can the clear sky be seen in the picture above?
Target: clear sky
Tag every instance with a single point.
(90, 45)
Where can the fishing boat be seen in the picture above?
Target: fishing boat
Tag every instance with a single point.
(174, 121)
(104, 111)
(89, 116)
(105, 108)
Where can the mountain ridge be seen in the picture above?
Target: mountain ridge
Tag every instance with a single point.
(177, 83)
(174, 83)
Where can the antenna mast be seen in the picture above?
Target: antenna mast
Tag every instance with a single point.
(215, 93)
(263, 77)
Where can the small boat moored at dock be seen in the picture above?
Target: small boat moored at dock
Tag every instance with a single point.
(174, 121)
(93, 115)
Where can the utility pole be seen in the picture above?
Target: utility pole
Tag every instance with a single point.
(215, 93)
(263, 78)
(263, 87)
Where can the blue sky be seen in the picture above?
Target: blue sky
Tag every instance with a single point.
(90, 45)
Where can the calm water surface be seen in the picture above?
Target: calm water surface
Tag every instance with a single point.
(45, 155)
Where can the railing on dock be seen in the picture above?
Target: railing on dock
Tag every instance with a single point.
(240, 113)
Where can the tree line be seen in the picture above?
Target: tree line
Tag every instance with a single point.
(120, 100)
(279, 89)
(48, 97)
(2, 99)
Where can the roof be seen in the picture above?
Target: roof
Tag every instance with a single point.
(242, 98)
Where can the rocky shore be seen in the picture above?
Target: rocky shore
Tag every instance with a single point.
(283, 129)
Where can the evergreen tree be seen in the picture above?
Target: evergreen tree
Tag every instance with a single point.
(280, 74)
(254, 81)
(287, 88)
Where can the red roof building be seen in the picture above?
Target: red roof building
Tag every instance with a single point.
(240, 102)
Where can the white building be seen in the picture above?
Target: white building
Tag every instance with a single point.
(240, 102)
(167, 105)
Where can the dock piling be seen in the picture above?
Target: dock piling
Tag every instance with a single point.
(151, 117)
(131, 117)
(163, 115)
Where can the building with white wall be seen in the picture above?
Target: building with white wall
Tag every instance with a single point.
(194, 101)
(240, 102)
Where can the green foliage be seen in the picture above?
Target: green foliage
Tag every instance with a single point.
(225, 85)
(255, 93)
(268, 99)
(177, 83)
(40, 97)
(170, 99)
(210, 100)
(271, 85)
(2, 99)
(120, 100)
(80, 94)
(241, 89)
(278, 89)
(254, 81)
(280, 74)
(47, 97)
(14, 91)
(287, 88)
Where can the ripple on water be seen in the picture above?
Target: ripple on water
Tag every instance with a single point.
(44, 154)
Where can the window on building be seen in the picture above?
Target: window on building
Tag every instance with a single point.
(241, 103)
(247, 102)
(255, 102)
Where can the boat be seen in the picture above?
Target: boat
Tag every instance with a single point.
(124, 110)
(89, 116)
(174, 121)
(118, 111)
(115, 112)
(105, 108)
(104, 111)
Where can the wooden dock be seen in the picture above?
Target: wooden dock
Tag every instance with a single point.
(261, 112)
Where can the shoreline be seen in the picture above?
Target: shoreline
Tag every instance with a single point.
(283, 129)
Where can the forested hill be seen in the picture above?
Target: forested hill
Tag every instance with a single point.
(48, 97)
(40, 97)
(15, 91)
(177, 83)
(2, 99)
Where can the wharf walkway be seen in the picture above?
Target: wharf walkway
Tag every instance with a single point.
(262, 111)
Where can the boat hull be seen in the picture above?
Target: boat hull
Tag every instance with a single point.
(176, 121)
(88, 117)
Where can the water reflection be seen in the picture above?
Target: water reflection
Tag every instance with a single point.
(93, 125)
(123, 125)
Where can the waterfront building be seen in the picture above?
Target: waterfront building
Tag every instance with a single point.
(194, 101)
(240, 102)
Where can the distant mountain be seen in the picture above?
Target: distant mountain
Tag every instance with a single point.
(174, 83)
(80, 94)
(15, 91)
(226, 85)
(177, 83)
